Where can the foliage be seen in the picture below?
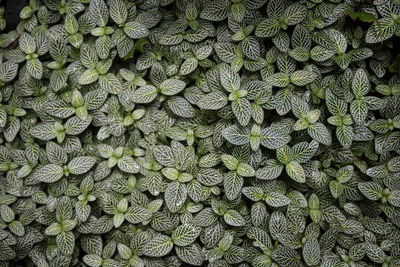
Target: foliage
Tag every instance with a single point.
(212, 133)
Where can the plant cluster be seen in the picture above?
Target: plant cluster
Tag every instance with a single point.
(214, 133)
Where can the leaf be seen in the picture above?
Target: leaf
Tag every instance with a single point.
(371, 190)
(236, 135)
(394, 198)
(60, 109)
(359, 111)
(191, 254)
(49, 173)
(118, 11)
(81, 165)
(213, 101)
(136, 30)
(233, 184)
(302, 77)
(232, 217)
(75, 126)
(175, 196)
(93, 260)
(294, 14)
(320, 133)
(362, 16)
(163, 154)
(267, 28)
(271, 170)
(188, 66)
(276, 199)
(128, 164)
(8, 71)
(253, 193)
(27, 43)
(66, 242)
(296, 172)
(272, 138)
(88, 76)
(209, 177)
(181, 107)
(110, 83)
(230, 80)
(216, 10)
(99, 12)
(380, 30)
(136, 214)
(144, 94)
(56, 154)
(360, 84)
(172, 86)
(44, 131)
(35, 68)
(242, 110)
(311, 252)
(345, 173)
(185, 234)
(159, 246)
(279, 79)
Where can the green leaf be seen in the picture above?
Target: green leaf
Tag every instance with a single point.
(124, 251)
(230, 80)
(110, 83)
(88, 76)
(302, 77)
(360, 84)
(232, 217)
(81, 165)
(66, 242)
(359, 111)
(159, 246)
(175, 196)
(271, 170)
(320, 133)
(216, 10)
(8, 71)
(362, 16)
(171, 86)
(381, 30)
(93, 260)
(272, 138)
(276, 199)
(6, 213)
(233, 184)
(294, 14)
(136, 30)
(312, 252)
(213, 101)
(192, 254)
(144, 94)
(371, 190)
(35, 68)
(185, 234)
(181, 107)
(49, 173)
(136, 214)
(118, 11)
(99, 12)
(267, 28)
(236, 135)
(296, 172)
(242, 110)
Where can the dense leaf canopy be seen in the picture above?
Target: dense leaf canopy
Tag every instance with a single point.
(250, 133)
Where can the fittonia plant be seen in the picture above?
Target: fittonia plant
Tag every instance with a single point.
(213, 133)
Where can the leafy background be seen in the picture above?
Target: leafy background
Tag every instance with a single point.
(200, 133)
